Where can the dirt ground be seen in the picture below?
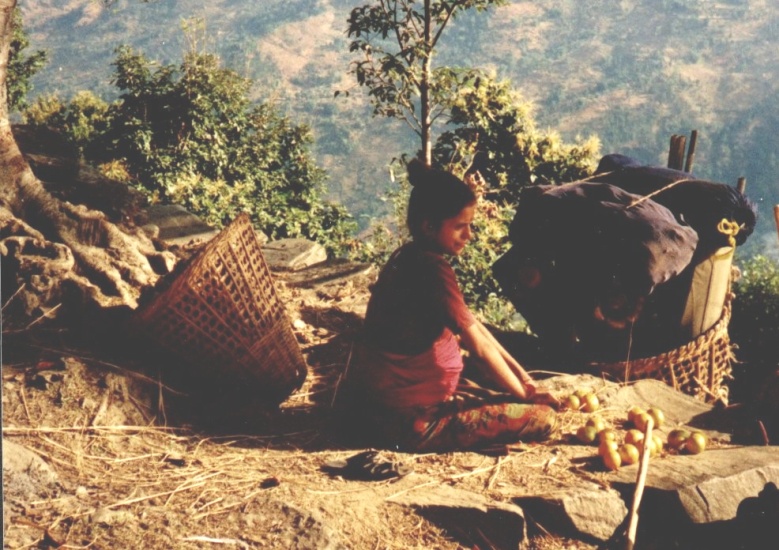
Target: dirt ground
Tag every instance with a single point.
(133, 463)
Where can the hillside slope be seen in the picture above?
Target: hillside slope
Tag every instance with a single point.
(631, 71)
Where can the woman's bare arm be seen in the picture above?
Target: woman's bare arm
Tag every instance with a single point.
(518, 369)
(483, 347)
(506, 370)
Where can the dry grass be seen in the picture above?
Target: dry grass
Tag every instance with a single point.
(130, 477)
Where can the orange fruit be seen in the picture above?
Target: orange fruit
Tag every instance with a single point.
(641, 420)
(596, 422)
(586, 434)
(591, 403)
(607, 434)
(696, 443)
(634, 410)
(677, 438)
(657, 415)
(634, 436)
(611, 459)
(608, 447)
(658, 443)
(572, 402)
(628, 453)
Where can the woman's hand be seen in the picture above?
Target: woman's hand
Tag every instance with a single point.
(546, 398)
(530, 388)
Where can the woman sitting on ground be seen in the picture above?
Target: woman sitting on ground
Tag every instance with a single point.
(408, 372)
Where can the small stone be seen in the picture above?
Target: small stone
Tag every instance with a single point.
(105, 516)
(88, 403)
(176, 459)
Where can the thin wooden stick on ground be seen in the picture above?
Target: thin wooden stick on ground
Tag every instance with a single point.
(24, 403)
(17, 430)
(494, 476)
(643, 466)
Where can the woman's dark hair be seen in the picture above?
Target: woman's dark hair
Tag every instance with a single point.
(436, 195)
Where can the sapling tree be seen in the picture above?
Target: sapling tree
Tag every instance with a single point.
(397, 40)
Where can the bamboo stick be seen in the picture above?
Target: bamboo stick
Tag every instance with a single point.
(741, 185)
(691, 151)
(776, 218)
(643, 466)
(676, 152)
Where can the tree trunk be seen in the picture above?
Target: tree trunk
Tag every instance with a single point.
(46, 242)
(424, 92)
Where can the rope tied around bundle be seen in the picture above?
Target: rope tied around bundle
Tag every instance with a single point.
(730, 229)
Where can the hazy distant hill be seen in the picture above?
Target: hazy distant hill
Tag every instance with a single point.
(632, 71)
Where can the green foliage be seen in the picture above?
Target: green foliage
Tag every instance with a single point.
(189, 134)
(21, 68)
(487, 115)
(85, 120)
(397, 40)
(754, 326)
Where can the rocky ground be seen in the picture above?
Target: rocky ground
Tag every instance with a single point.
(100, 452)
(107, 445)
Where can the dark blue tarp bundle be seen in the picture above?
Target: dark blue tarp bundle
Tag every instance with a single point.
(588, 257)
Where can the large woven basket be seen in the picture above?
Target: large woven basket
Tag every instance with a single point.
(701, 368)
(222, 316)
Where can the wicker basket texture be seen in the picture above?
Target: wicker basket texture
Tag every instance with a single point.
(701, 367)
(222, 314)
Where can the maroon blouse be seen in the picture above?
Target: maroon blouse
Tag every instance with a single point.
(415, 310)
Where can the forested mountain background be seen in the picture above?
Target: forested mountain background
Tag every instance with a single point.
(632, 72)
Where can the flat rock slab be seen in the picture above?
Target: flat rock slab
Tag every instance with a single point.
(590, 512)
(708, 487)
(326, 272)
(293, 254)
(679, 408)
(470, 517)
(26, 477)
(175, 225)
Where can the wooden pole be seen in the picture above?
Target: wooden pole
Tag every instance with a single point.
(643, 466)
(776, 218)
(681, 143)
(691, 151)
(676, 152)
(741, 184)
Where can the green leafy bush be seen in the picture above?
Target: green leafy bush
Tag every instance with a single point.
(754, 326)
(84, 120)
(488, 115)
(190, 135)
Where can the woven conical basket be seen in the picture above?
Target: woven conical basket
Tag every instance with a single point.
(222, 316)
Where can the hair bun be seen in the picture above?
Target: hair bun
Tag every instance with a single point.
(417, 172)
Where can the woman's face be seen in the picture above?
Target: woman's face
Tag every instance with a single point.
(454, 233)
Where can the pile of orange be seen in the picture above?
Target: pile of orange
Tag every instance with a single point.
(616, 449)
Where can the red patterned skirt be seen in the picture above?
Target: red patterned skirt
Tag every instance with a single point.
(471, 419)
